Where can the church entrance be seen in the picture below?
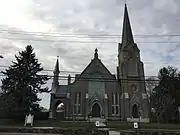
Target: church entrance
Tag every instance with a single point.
(135, 111)
(96, 110)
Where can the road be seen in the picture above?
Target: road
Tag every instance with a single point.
(25, 134)
(110, 133)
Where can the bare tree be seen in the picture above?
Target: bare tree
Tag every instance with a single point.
(151, 83)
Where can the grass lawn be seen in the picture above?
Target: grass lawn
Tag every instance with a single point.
(47, 123)
(118, 125)
(58, 123)
(115, 125)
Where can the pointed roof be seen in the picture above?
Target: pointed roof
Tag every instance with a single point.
(56, 69)
(127, 36)
(95, 66)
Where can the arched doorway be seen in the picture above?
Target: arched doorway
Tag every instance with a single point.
(96, 110)
(135, 111)
(59, 109)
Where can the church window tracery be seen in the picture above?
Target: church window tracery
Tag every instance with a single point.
(115, 103)
(77, 102)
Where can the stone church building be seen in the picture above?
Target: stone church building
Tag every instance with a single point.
(98, 93)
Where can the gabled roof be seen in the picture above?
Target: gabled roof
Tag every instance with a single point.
(95, 66)
(96, 61)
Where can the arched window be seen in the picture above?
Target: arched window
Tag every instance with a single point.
(60, 107)
(59, 110)
(115, 103)
(77, 102)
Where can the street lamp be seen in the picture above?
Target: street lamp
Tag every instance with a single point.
(157, 118)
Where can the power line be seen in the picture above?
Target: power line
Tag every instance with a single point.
(103, 79)
(80, 41)
(86, 74)
(145, 62)
(92, 42)
(74, 72)
(88, 34)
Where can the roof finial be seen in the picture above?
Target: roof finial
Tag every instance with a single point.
(96, 54)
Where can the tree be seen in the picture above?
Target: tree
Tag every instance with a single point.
(165, 97)
(23, 82)
(151, 83)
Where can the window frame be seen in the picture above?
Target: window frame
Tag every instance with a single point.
(77, 103)
(115, 104)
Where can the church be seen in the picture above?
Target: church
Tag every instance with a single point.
(97, 93)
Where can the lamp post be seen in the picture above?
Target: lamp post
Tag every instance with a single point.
(153, 110)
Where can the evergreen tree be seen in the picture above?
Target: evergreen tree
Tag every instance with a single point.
(23, 83)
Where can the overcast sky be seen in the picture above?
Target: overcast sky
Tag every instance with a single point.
(72, 29)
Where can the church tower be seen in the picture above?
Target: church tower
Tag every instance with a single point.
(56, 72)
(134, 102)
(54, 88)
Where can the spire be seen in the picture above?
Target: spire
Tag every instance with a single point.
(127, 36)
(96, 54)
(56, 69)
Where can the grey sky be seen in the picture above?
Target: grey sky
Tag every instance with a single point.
(30, 20)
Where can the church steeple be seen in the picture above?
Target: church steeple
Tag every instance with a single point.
(56, 72)
(56, 69)
(127, 36)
